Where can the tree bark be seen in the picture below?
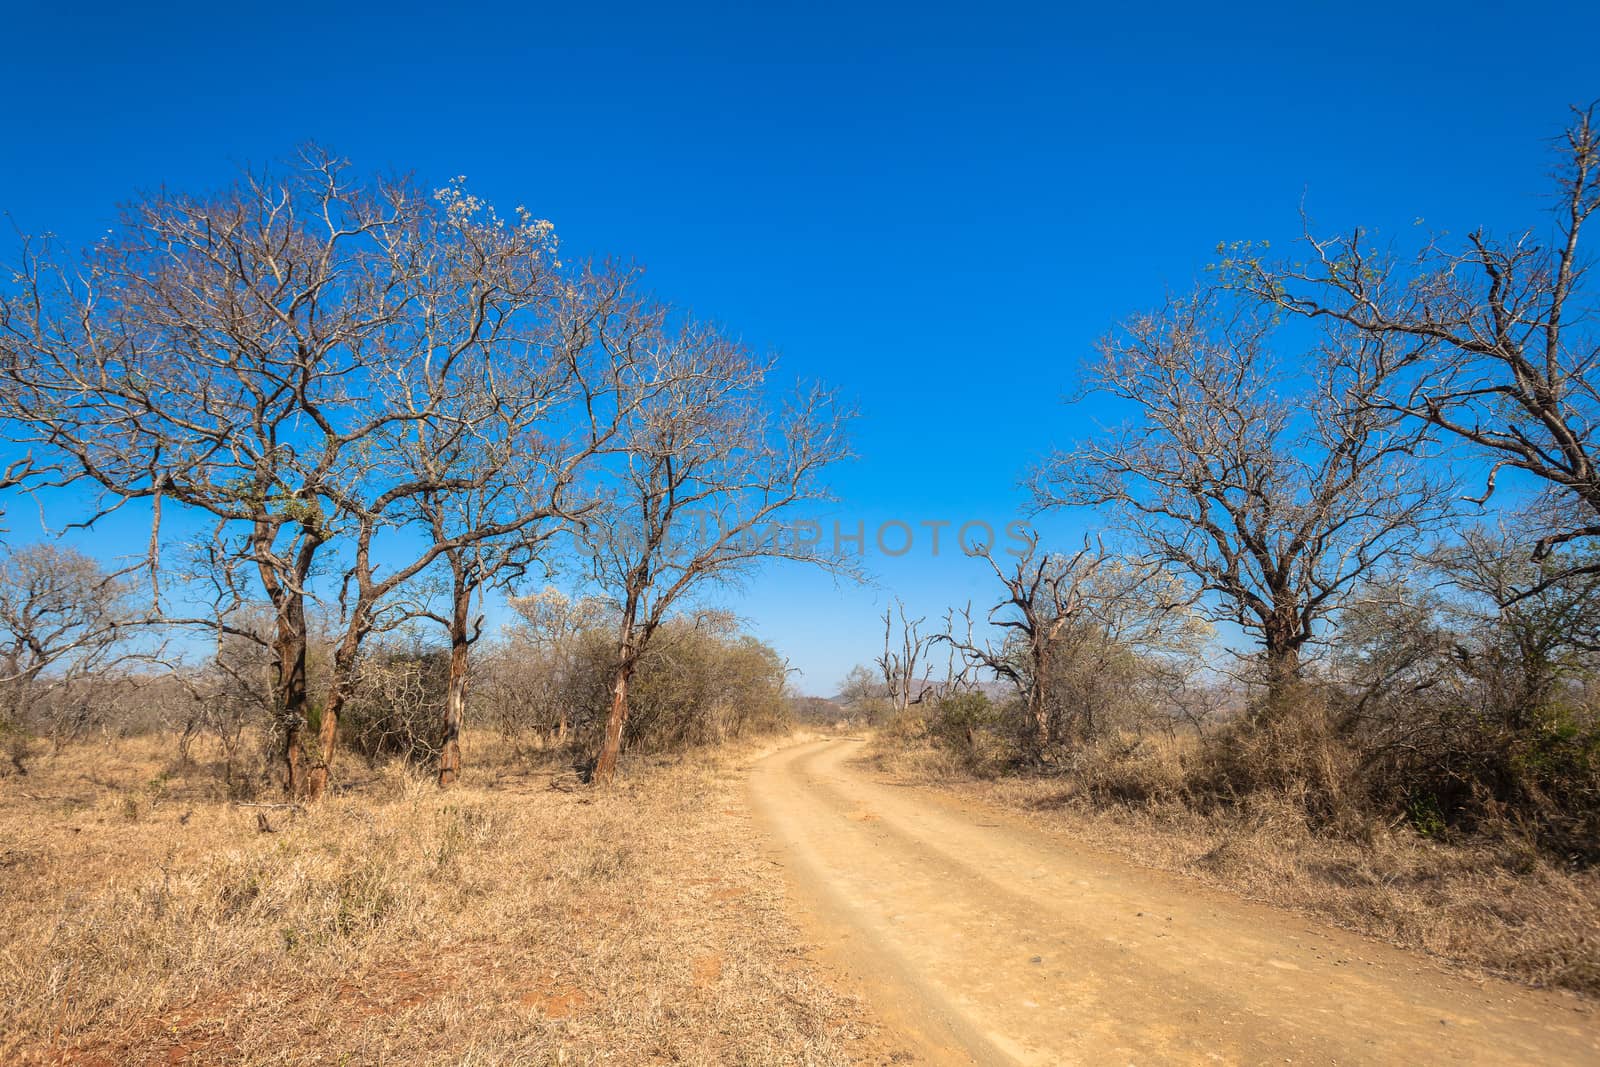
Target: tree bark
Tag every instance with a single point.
(344, 669)
(290, 696)
(1038, 703)
(1283, 674)
(455, 701)
(605, 767)
(1282, 633)
(289, 688)
(1042, 637)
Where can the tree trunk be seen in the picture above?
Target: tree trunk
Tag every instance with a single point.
(605, 767)
(1038, 702)
(289, 688)
(1039, 711)
(455, 701)
(290, 699)
(344, 669)
(1283, 674)
(1281, 633)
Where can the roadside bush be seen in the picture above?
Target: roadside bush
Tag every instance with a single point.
(1541, 782)
(961, 724)
(701, 683)
(702, 680)
(1131, 770)
(1294, 752)
(1463, 704)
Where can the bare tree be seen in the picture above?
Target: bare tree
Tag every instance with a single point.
(223, 352)
(862, 684)
(549, 633)
(1082, 635)
(16, 472)
(1130, 657)
(697, 495)
(1043, 595)
(1492, 342)
(484, 473)
(1275, 499)
(902, 668)
(62, 617)
(498, 495)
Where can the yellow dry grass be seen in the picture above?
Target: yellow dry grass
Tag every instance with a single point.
(148, 920)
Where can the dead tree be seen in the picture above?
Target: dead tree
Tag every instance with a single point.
(707, 470)
(901, 668)
(1043, 594)
(1274, 499)
(1492, 342)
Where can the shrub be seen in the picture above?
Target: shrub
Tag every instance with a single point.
(958, 718)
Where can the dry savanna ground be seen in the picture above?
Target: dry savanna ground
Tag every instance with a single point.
(148, 920)
(1493, 905)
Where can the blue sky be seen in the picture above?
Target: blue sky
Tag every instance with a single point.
(937, 208)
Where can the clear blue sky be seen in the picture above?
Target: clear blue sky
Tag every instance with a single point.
(937, 208)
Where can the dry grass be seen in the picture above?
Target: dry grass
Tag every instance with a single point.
(1491, 906)
(147, 920)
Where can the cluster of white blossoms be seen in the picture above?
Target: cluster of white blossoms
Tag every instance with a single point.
(465, 209)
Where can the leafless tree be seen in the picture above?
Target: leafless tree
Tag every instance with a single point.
(485, 472)
(1043, 594)
(902, 668)
(697, 494)
(1083, 637)
(13, 474)
(862, 684)
(224, 353)
(1275, 496)
(498, 495)
(62, 617)
(1493, 342)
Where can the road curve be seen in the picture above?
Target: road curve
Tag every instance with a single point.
(981, 940)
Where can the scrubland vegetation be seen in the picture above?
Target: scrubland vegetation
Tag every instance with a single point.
(149, 919)
(272, 783)
(351, 410)
(165, 901)
(1409, 741)
(275, 789)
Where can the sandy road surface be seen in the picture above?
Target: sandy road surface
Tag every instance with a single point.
(981, 940)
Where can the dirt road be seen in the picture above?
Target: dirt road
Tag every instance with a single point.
(981, 940)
